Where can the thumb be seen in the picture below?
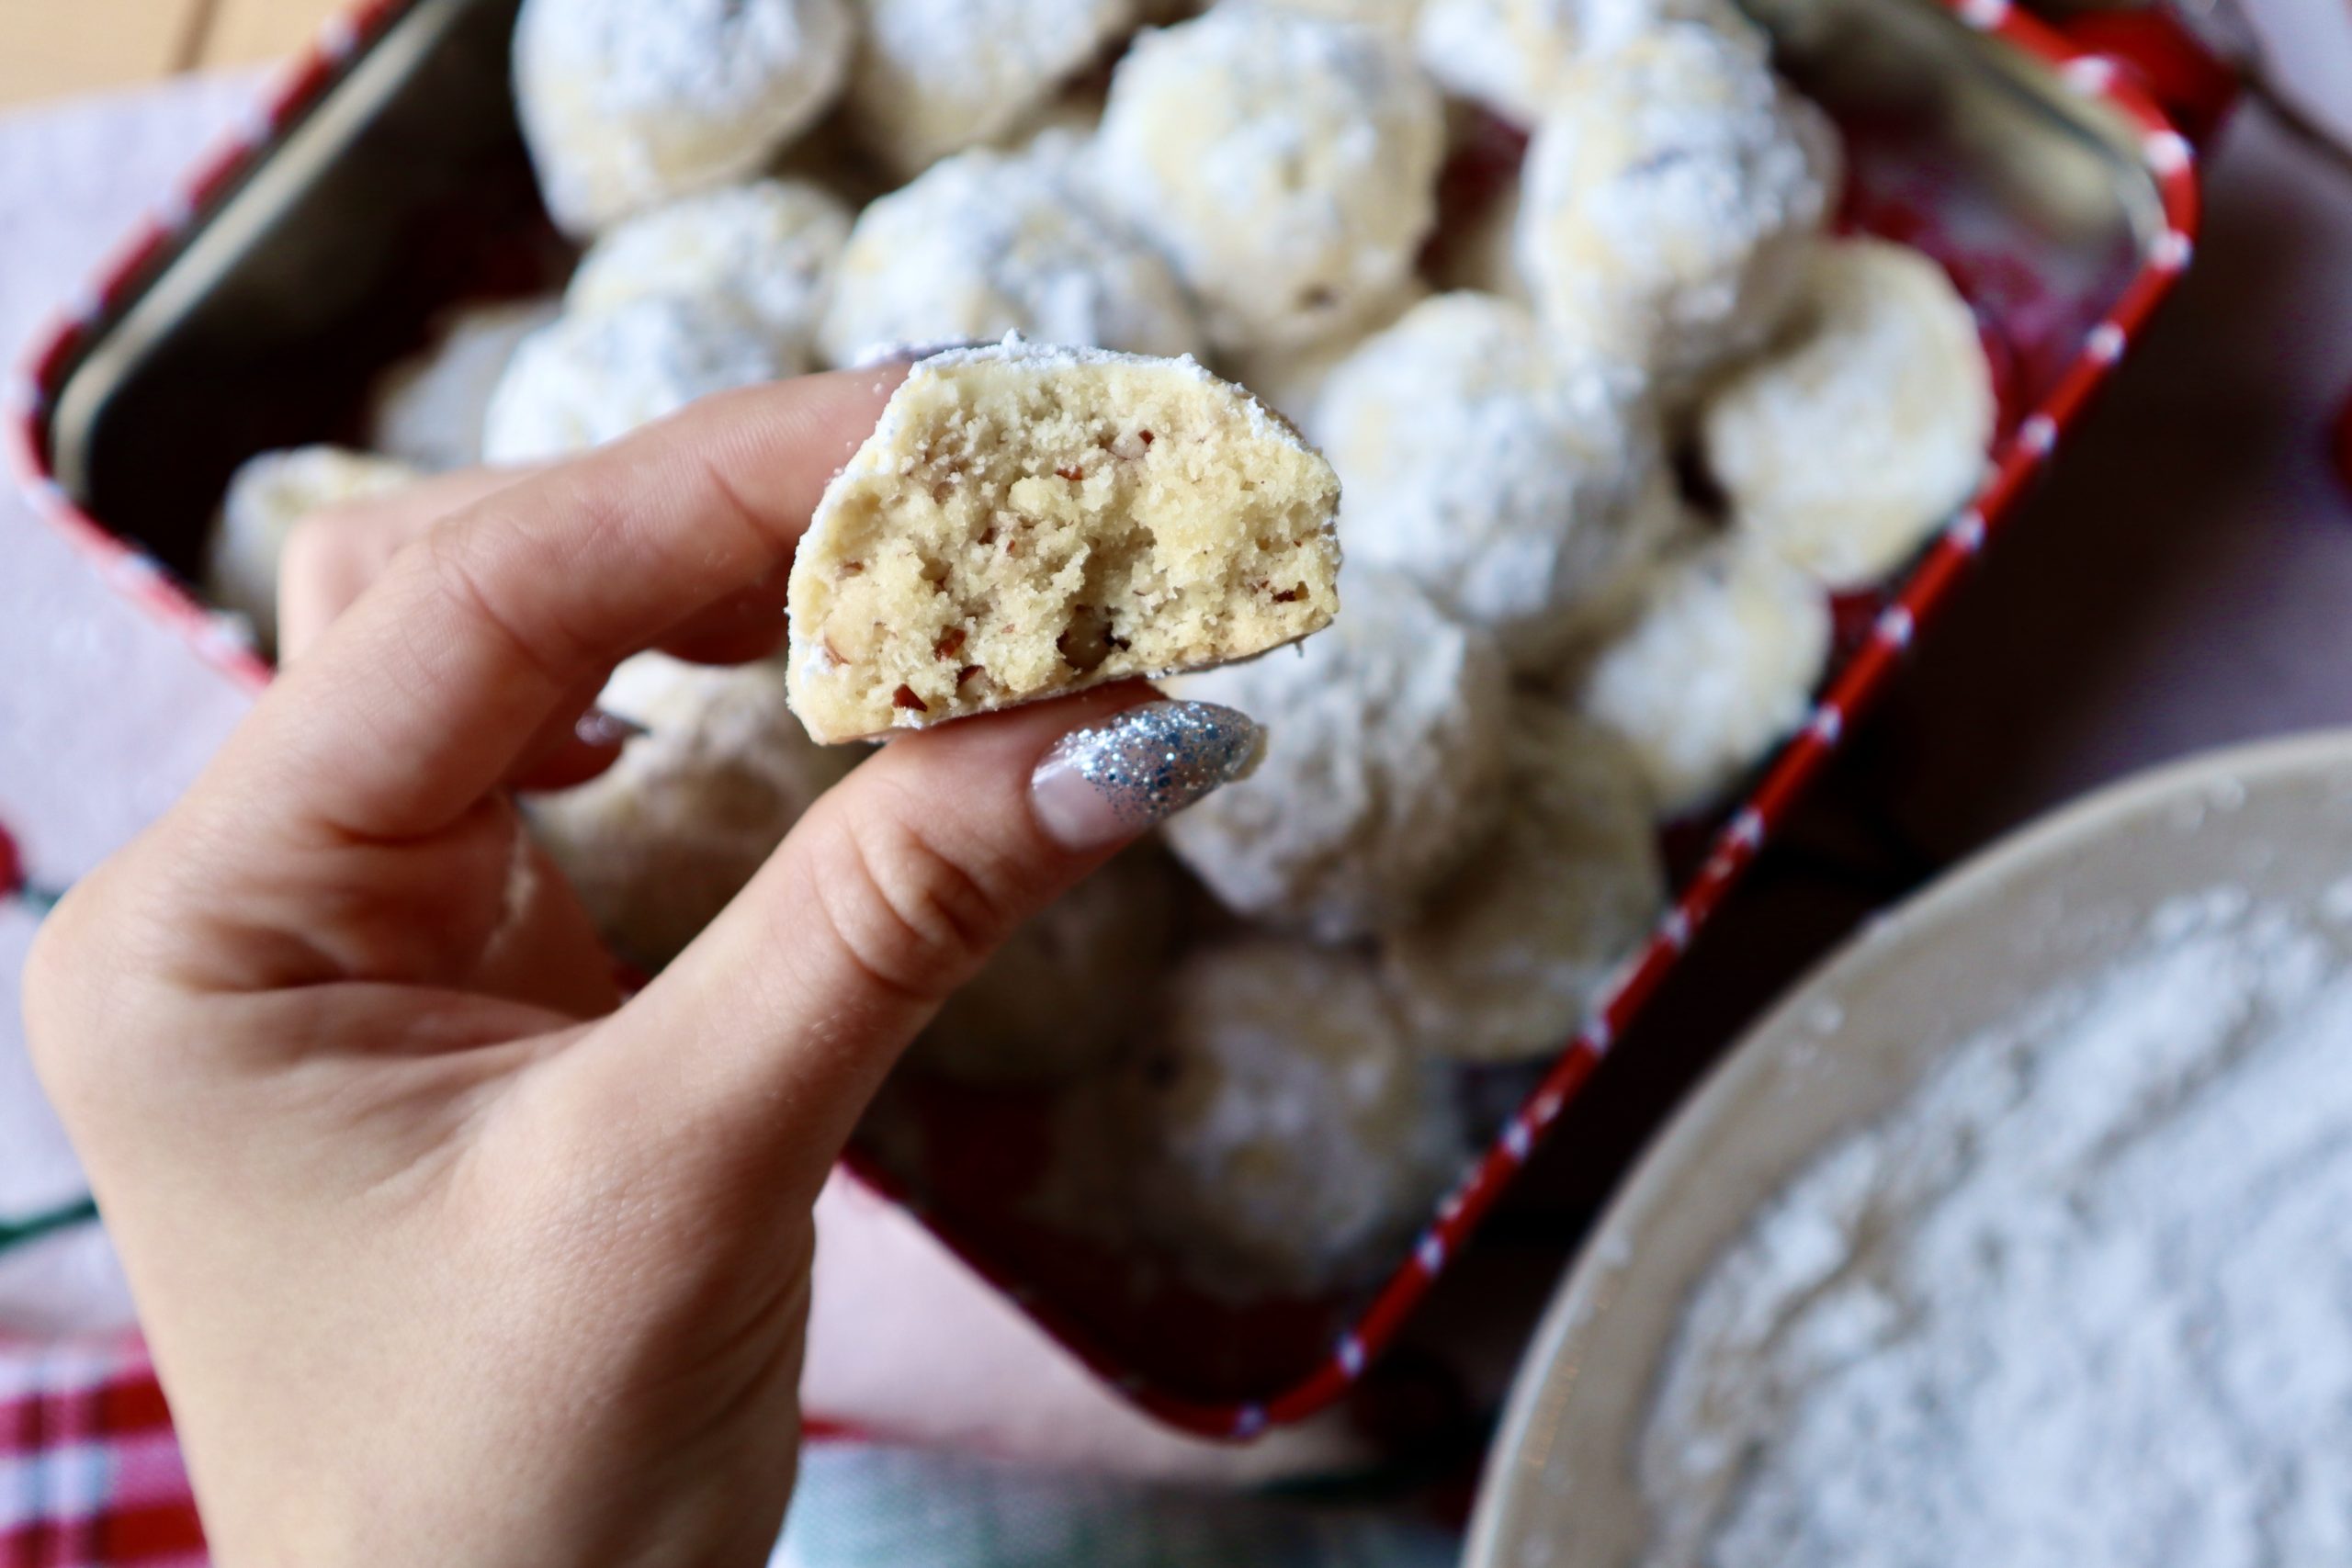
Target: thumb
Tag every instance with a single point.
(768, 1035)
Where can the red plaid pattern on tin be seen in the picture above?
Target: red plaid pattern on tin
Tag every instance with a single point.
(90, 1473)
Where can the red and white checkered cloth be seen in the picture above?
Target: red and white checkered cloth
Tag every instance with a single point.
(90, 1473)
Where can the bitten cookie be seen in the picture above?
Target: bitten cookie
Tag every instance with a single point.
(769, 247)
(428, 409)
(1382, 766)
(1508, 956)
(1028, 521)
(586, 380)
(1519, 481)
(1715, 670)
(1670, 194)
(1857, 434)
(1065, 993)
(936, 76)
(628, 104)
(988, 244)
(1285, 162)
(1514, 56)
(657, 843)
(267, 497)
(1284, 1136)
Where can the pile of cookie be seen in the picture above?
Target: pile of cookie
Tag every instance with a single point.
(1609, 443)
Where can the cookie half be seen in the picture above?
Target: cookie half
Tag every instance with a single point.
(1027, 520)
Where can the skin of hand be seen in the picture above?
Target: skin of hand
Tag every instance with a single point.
(445, 1253)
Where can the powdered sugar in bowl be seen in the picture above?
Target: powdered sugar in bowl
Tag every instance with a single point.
(2012, 1236)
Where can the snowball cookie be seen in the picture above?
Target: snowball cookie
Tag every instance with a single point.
(1669, 199)
(1067, 991)
(1288, 1138)
(658, 843)
(1514, 56)
(1026, 520)
(1852, 441)
(1394, 18)
(1384, 766)
(1520, 482)
(427, 410)
(627, 104)
(1715, 670)
(1290, 378)
(769, 246)
(1285, 162)
(990, 243)
(936, 76)
(1521, 942)
(586, 380)
(267, 497)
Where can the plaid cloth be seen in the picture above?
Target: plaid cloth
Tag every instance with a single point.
(90, 1475)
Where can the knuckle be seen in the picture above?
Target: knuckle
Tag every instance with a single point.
(912, 916)
(476, 584)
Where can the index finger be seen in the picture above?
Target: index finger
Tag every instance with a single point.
(420, 699)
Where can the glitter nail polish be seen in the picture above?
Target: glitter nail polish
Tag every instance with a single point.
(1109, 781)
(599, 727)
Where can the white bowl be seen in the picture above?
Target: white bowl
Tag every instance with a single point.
(2059, 900)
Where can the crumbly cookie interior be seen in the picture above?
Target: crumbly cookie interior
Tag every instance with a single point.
(1013, 531)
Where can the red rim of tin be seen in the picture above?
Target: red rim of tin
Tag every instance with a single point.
(1851, 688)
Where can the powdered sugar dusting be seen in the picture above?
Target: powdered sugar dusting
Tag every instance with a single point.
(1053, 358)
(987, 243)
(2084, 1300)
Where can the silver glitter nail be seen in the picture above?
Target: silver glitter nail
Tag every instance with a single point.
(601, 727)
(1142, 765)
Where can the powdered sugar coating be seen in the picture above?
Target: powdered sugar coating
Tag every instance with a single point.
(1715, 670)
(1854, 439)
(1671, 196)
(1393, 18)
(986, 243)
(1283, 161)
(628, 104)
(1285, 1136)
(1520, 482)
(428, 409)
(267, 497)
(1512, 951)
(936, 76)
(590, 379)
(657, 843)
(1062, 995)
(1290, 378)
(1514, 56)
(1384, 766)
(770, 246)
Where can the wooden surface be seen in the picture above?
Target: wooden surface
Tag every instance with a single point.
(52, 49)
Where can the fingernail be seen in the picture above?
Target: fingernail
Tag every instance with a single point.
(1109, 781)
(598, 727)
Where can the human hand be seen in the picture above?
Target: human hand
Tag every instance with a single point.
(445, 1253)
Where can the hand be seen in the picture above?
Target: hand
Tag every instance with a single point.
(444, 1253)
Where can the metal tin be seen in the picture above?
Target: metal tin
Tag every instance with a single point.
(383, 177)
